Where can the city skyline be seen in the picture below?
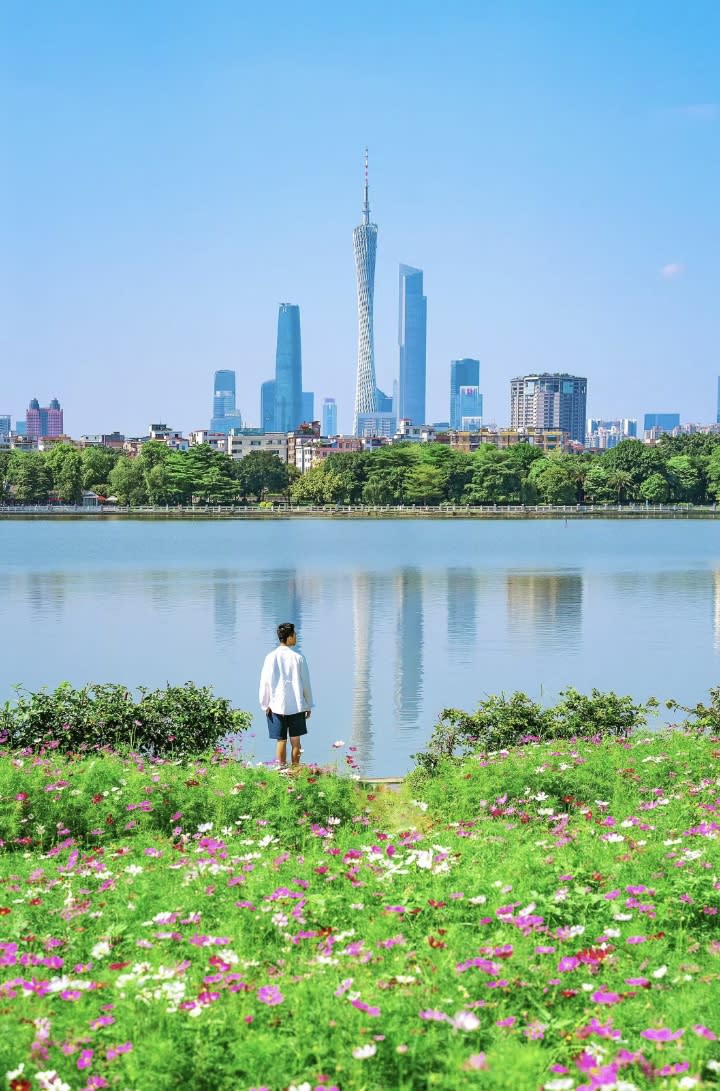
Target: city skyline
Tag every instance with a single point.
(142, 243)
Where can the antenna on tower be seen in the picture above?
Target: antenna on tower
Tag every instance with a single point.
(366, 205)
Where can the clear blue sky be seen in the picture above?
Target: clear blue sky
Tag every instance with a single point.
(171, 170)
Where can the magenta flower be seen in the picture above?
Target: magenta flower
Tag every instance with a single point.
(705, 1032)
(433, 1015)
(603, 996)
(508, 1021)
(85, 1058)
(270, 995)
(635, 939)
(476, 1061)
(661, 1034)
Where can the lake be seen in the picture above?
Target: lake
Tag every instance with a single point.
(397, 619)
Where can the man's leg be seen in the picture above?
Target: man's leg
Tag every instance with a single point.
(295, 746)
(281, 751)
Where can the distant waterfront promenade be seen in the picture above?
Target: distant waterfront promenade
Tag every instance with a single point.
(364, 511)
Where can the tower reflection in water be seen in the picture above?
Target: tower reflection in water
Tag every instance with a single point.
(549, 602)
(409, 645)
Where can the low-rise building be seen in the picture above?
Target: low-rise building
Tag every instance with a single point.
(245, 442)
(546, 439)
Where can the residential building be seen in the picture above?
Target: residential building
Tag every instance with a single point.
(243, 443)
(114, 440)
(329, 417)
(225, 415)
(547, 439)
(465, 396)
(203, 436)
(602, 435)
(412, 339)
(44, 420)
(365, 248)
(407, 432)
(549, 401)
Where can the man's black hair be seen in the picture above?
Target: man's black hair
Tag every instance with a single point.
(285, 630)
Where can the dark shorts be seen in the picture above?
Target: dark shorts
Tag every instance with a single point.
(279, 727)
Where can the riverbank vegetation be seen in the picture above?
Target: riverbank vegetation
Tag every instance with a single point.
(684, 469)
(534, 916)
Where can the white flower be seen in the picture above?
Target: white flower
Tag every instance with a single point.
(714, 1066)
(21, 1068)
(479, 899)
(101, 949)
(420, 804)
(336, 746)
(361, 1053)
(133, 869)
(50, 1081)
(206, 827)
(300, 1086)
(687, 1082)
(559, 1085)
(465, 1020)
(660, 972)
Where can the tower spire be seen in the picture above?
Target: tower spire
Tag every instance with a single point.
(366, 203)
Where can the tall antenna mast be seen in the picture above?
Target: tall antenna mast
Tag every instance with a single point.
(366, 205)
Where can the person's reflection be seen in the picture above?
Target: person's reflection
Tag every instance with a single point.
(409, 645)
(281, 600)
(551, 602)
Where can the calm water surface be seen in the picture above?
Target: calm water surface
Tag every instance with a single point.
(397, 619)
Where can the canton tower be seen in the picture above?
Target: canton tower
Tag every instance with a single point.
(365, 245)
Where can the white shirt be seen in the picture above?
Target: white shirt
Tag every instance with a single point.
(285, 682)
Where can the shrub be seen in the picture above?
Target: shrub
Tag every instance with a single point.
(175, 720)
(501, 722)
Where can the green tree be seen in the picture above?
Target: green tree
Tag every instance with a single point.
(68, 481)
(688, 482)
(97, 463)
(598, 485)
(495, 481)
(262, 472)
(127, 481)
(30, 477)
(655, 489)
(555, 478)
(623, 483)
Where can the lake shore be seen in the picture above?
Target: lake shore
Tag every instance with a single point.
(358, 511)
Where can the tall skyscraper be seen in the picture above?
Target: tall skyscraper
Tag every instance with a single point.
(288, 370)
(329, 417)
(44, 420)
(225, 416)
(365, 247)
(412, 337)
(549, 401)
(5, 424)
(465, 397)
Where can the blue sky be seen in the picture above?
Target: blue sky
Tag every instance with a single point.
(171, 170)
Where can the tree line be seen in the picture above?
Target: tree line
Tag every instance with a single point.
(683, 469)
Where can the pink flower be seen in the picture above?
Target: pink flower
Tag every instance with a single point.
(535, 1030)
(661, 1034)
(704, 1032)
(270, 995)
(476, 1061)
(85, 1058)
(433, 1015)
(635, 939)
(508, 1021)
(602, 996)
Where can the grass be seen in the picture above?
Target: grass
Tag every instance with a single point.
(541, 918)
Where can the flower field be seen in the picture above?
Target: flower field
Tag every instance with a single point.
(544, 918)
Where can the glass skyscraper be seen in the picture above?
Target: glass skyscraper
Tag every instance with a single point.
(329, 417)
(225, 415)
(288, 370)
(465, 396)
(412, 334)
(365, 247)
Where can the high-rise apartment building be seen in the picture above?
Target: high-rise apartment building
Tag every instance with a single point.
(365, 248)
(288, 370)
(225, 415)
(329, 417)
(465, 397)
(412, 338)
(549, 401)
(44, 420)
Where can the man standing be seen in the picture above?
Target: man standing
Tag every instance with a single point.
(285, 694)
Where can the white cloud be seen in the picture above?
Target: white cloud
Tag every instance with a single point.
(672, 270)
